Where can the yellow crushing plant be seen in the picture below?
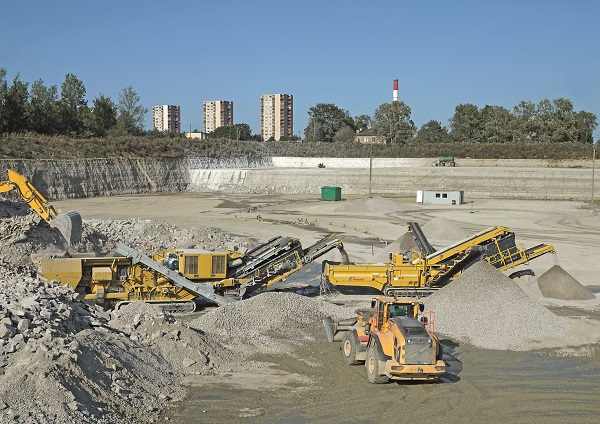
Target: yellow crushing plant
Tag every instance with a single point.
(419, 273)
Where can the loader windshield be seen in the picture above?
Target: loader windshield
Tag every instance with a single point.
(400, 310)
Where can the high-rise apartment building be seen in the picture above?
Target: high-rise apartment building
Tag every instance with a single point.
(166, 118)
(276, 116)
(217, 113)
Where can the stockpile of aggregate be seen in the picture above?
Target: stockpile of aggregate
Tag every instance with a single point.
(186, 349)
(61, 363)
(436, 229)
(270, 322)
(440, 228)
(23, 232)
(487, 309)
(369, 205)
(559, 284)
(148, 235)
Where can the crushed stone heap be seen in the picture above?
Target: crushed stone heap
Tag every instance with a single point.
(61, 363)
(260, 320)
(489, 310)
(437, 229)
(559, 284)
(186, 349)
(147, 235)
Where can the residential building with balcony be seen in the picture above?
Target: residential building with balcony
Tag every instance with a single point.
(217, 113)
(276, 116)
(166, 118)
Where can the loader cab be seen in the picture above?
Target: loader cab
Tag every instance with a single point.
(386, 308)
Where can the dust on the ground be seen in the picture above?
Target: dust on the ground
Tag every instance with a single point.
(265, 359)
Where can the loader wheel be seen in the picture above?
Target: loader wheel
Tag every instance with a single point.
(374, 367)
(349, 349)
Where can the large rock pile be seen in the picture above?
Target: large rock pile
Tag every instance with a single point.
(489, 310)
(147, 235)
(188, 350)
(60, 362)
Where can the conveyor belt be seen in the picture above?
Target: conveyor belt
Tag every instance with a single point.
(204, 290)
(423, 244)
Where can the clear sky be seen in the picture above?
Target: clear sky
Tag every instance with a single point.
(444, 53)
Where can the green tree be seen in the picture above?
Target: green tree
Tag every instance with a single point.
(43, 108)
(344, 135)
(525, 125)
(496, 124)
(392, 121)
(131, 113)
(73, 106)
(233, 132)
(586, 124)
(432, 132)
(3, 93)
(325, 120)
(103, 116)
(16, 104)
(466, 125)
(362, 122)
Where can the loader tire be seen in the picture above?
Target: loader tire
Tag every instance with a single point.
(375, 367)
(349, 346)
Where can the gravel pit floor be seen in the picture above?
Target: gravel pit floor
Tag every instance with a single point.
(312, 384)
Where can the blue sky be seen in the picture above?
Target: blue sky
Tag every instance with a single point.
(348, 53)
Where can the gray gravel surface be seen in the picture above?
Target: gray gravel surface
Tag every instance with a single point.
(489, 310)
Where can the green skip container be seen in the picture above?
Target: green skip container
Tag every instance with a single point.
(331, 193)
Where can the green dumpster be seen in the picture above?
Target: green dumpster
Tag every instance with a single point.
(331, 193)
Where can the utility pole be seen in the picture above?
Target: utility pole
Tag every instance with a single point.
(370, 168)
(593, 169)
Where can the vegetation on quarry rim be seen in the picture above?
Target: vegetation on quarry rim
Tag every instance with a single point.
(35, 146)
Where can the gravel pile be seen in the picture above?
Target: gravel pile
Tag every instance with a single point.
(487, 309)
(265, 321)
(149, 236)
(369, 205)
(443, 229)
(61, 363)
(436, 229)
(559, 284)
(186, 349)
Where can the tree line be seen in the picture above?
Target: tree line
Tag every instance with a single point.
(40, 109)
(44, 110)
(549, 121)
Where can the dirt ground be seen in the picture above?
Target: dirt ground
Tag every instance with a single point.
(314, 385)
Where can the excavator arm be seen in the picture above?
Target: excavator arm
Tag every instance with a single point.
(69, 224)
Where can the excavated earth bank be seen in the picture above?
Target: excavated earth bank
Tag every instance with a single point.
(509, 179)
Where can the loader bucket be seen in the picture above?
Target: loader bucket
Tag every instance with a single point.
(69, 224)
(334, 330)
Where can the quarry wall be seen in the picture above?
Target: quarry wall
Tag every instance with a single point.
(515, 179)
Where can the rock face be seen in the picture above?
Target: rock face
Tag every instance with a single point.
(59, 179)
(105, 177)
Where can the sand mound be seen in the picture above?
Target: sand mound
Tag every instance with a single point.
(404, 243)
(369, 205)
(436, 229)
(559, 284)
(443, 229)
(487, 309)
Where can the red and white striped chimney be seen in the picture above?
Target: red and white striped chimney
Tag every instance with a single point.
(395, 91)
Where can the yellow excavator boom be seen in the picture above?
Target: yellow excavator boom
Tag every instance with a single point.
(69, 224)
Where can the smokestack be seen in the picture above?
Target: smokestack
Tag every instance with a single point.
(395, 91)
